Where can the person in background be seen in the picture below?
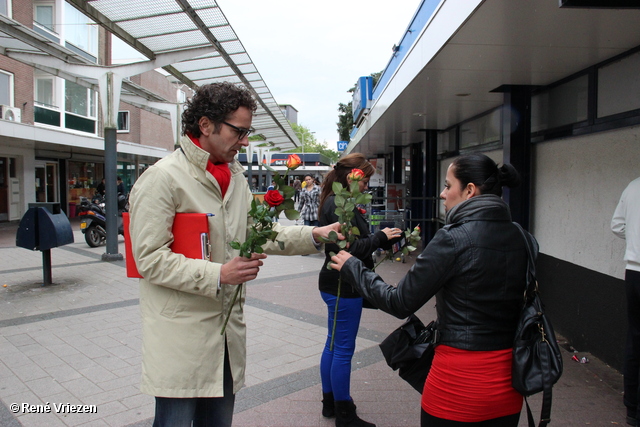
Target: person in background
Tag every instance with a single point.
(476, 267)
(100, 189)
(120, 187)
(309, 201)
(626, 225)
(335, 364)
(297, 185)
(188, 364)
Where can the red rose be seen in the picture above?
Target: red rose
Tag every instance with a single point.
(293, 161)
(273, 198)
(356, 175)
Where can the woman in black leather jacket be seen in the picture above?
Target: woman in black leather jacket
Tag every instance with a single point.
(476, 268)
(335, 364)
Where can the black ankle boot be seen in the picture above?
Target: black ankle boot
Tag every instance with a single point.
(346, 415)
(328, 405)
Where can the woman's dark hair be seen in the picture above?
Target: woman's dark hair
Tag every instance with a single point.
(214, 101)
(480, 170)
(341, 170)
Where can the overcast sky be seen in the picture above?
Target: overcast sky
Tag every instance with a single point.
(310, 53)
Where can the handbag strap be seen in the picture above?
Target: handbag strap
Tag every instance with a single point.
(532, 282)
(532, 290)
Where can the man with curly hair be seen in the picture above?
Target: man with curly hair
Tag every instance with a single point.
(192, 369)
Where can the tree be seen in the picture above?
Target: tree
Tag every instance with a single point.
(345, 121)
(311, 145)
(345, 118)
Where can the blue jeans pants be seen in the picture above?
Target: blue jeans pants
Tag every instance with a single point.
(631, 369)
(203, 411)
(335, 366)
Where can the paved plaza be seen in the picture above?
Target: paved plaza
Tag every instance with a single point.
(75, 346)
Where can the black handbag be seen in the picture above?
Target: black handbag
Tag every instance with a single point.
(537, 360)
(409, 349)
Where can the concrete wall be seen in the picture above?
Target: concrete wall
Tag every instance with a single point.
(577, 183)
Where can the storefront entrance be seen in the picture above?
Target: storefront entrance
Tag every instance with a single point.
(46, 182)
(4, 189)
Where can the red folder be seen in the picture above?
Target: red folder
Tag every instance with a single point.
(190, 238)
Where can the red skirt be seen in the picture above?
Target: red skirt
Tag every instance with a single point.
(470, 386)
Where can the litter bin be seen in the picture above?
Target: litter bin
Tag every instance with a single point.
(42, 228)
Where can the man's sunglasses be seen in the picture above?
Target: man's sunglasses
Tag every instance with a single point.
(242, 132)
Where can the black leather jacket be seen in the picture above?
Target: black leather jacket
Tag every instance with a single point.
(475, 266)
(362, 249)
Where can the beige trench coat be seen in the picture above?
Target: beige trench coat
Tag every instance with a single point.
(182, 309)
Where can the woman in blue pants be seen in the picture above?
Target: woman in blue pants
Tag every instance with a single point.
(335, 365)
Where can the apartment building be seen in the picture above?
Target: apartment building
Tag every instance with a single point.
(51, 132)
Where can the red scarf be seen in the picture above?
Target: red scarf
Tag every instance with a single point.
(220, 172)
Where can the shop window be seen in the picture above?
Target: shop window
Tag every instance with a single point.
(123, 122)
(561, 105)
(83, 179)
(481, 131)
(619, 86)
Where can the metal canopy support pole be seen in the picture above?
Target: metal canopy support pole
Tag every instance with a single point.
(249, 150)
(110, 85)
(516, 134)
(268, 153)
(260, 154)
(430, 172)
(398, 168)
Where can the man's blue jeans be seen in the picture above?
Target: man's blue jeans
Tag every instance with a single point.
(203, 411)
(335, 366)
(632, 353)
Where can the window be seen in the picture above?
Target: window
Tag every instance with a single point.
(619, 86)
(4, 8)
(481, 131)
(43, 14)
(561, 105)
(6, 88)
(123, 121)
(447, 141)
(182, 97)
(80, 31)
(79, 100)
(45, 92)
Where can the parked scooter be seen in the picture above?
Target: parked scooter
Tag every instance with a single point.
(93, 224)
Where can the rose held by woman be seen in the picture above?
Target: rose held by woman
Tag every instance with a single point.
(293, 161)
(273, 198)
(356, 175)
